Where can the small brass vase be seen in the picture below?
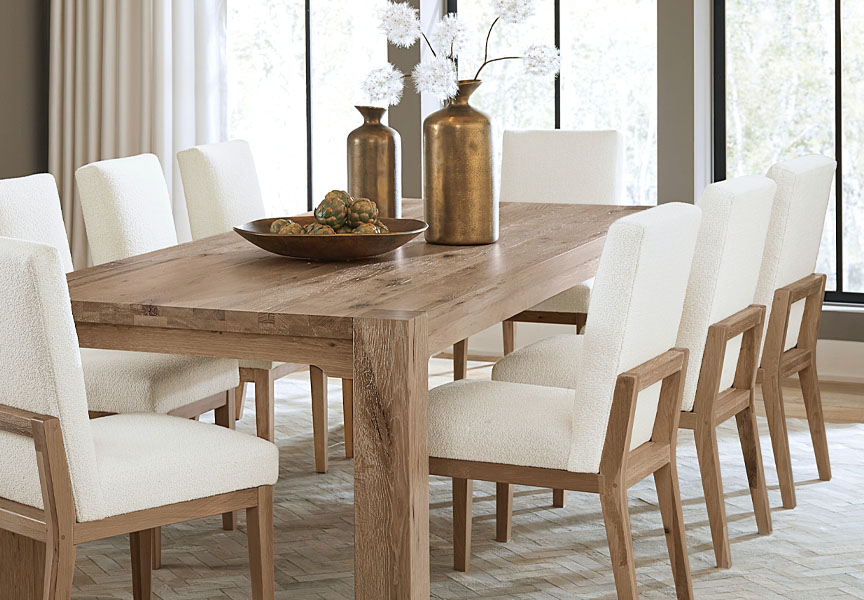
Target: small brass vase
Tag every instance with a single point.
(459, 196)
(374, 163)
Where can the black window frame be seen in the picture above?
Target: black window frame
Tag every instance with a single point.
(719, 133)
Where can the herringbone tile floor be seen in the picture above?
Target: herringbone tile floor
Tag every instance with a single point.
(815, 552)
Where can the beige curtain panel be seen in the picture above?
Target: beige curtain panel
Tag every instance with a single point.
(128, 77)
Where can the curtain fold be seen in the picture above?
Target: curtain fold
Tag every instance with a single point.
(133, 77)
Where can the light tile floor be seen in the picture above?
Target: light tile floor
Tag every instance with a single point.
(815, 552)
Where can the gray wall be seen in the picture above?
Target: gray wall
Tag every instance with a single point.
(24, 51)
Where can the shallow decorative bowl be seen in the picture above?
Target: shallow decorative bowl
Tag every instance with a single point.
(341, 246)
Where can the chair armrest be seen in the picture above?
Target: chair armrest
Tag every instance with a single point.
(746, 319)
(803, 288)
(18, 421)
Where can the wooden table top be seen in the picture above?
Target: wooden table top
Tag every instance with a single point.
(224, 283)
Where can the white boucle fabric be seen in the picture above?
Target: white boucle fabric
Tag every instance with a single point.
(585, 167)
(42, 373)
(115, 381)
(499, 422)
(152, 460)
(552, 361)
(635, 310)
(634, 315)
(221, 187)
(795, 230)
(127, 210)
(726, 265)
(258, 364)
(575, 299)
(30, 210)
(560, 166)
(126, 382)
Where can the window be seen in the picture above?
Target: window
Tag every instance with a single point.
(608, 75)
(272, 46)
(793, 73)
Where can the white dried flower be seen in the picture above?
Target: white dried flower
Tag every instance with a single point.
(401, 23)
(383, 86)
(514, 11)
(437, 77)
(449, 36)
(542, 60)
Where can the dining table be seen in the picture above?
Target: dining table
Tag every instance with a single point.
(375, 321)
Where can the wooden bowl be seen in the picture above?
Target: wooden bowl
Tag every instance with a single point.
(340, 246)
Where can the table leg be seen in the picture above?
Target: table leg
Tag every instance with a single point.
(391, 460)
(22, 561)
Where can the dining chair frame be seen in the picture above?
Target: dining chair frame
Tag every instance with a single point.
(713, 407)
(778, 364)
(620, 468)
(56, 527)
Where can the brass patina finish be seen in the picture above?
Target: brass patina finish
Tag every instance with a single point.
(459, 196)
(374, 163)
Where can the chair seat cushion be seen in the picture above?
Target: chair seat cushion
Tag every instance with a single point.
(552, 362)
(258, 364)
(147, 460)
(500, 422)
(127, 382)
(574, 300)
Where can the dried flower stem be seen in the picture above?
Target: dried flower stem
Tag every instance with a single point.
(428, 44)
(477, 74)
(488, 35)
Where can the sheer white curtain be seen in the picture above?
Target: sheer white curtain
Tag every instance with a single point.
(129, 77)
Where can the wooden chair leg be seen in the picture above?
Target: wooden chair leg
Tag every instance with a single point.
(141, 546)
(319, 417)
(264, 404)
(239, 401)
(157, 548)
(669, 499)
(460, 360)
(772, 395)
(559, 498)
(259, 523)
(463, 492)
(59, 571)
(809, 380)
(748, 433)
(712, 485)
(509, 328)
(616, 517)
(503, 511)
(224, 417)
(348, 418)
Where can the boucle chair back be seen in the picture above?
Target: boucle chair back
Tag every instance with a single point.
(30, 210)
(795, 230)
(568, 167)
(41, 371)
(633, 317)
(221, 187)
(127, 210)
(726, 265)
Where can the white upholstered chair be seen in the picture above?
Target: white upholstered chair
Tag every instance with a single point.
(722, 329)
(556, 166)
(222, 190)
(127, 211)
(616, 427)
(68, 480)
(793, 293)
(718, 316)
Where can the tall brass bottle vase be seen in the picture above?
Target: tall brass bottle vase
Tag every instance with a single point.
(374, 163)
(459, 196)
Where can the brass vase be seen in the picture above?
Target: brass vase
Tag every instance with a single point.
(374, 163)
(459, 196)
